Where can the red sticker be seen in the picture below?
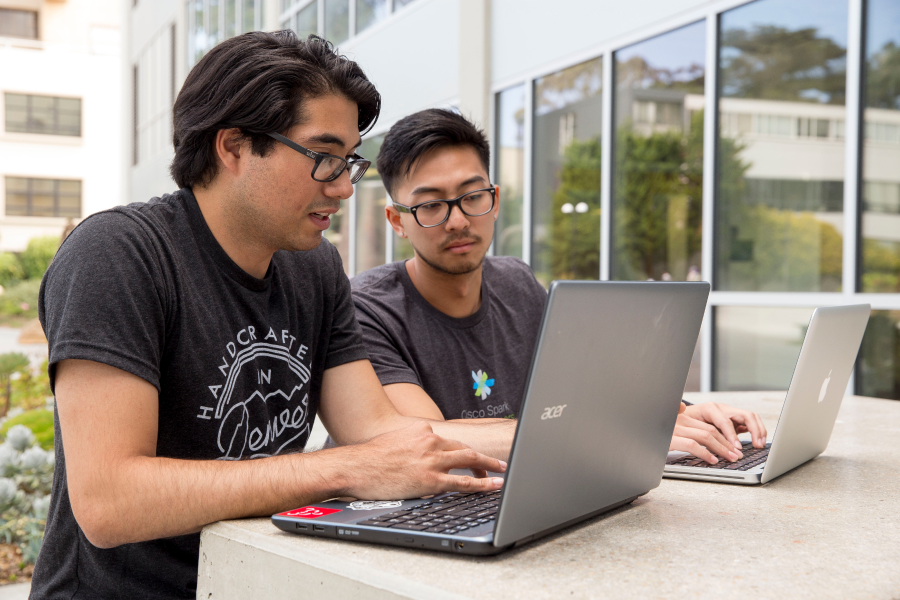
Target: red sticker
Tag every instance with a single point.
(309, 512)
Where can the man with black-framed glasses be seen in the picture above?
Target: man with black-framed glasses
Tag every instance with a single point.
(451, 331)
(195, 337)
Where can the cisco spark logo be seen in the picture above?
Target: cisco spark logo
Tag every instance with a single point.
(482, 385)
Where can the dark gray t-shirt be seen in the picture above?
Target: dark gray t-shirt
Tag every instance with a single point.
(238, 362)
(474, 367)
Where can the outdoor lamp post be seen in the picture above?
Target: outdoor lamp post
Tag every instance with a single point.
(575, 210)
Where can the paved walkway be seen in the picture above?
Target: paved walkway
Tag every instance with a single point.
(15, 591)
(9, 342)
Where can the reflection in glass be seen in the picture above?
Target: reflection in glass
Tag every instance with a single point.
(369, 12)
(658, 173)
(198, 35)
(402, 249)
(780, 153)
(371, 199)
(881, 150)
(231, 24)
(249, 14)
(215, 33)
(878, 367)
(510, 166)
(307, 21)
(337, 20)
(756, 348)
(566, 171)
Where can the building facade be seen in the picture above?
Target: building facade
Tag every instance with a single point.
(60, 82)
(754, 145)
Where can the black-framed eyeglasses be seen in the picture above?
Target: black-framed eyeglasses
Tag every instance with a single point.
(434, 212)
(328, 167)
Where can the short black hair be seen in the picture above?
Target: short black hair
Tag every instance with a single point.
(414, 136)
(258, 82)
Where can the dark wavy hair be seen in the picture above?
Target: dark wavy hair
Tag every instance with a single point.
(414, 136)
(258, 82)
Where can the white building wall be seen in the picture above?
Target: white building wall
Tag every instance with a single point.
(78, 56)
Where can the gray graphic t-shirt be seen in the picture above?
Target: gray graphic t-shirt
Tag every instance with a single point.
(238, 362)
(474, 367)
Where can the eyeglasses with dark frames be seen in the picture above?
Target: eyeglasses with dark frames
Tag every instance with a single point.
(435, 212)
(328, 167)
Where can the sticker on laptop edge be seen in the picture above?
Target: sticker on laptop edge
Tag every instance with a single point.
(374, 504)
(309, 512)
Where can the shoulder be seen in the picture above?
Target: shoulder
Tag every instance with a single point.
(137, 221)
(509, 273)
(380, 282)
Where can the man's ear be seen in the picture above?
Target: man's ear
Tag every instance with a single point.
(496, 201)
(229, 147)
(393, 217)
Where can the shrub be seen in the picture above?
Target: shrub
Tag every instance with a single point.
(37, 256)
(40, 422)
(10, 269)
(21, 300)
(26, 476)
(32, 389)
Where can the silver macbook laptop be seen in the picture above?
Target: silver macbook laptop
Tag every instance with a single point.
(594, 429)
(810, 408)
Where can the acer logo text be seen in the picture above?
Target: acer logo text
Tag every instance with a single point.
(551, 412)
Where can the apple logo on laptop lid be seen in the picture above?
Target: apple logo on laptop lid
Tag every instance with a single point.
(824, 389)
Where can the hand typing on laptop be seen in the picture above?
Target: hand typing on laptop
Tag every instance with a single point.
(710, 429)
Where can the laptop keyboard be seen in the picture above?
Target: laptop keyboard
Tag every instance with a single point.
(450, 514)
(752, 457)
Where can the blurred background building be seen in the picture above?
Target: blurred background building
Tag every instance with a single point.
(61, 106)
(754, 145)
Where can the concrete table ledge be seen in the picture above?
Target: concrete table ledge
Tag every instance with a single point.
(830, 529)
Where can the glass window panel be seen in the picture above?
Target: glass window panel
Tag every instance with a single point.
(338, 233)
(658, 173)
(566, 171)
(337, 20)
(17, 185)
(199, 31)
(880, 221)
(756, 348)
(231, 24)
(215, 33)
(401, 3)
(307, 21)
(510, 167)
(371, 199)
(249, 9)
(43, 204)
(402, 249)
(369, 12)
(878, 367)
(779, 202)
(18, 23)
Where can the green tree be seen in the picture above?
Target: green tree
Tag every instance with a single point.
(574, 248)
(775, 63)
(10, 363)
(10, 269)
(37, 256)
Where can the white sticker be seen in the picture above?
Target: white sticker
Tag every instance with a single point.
(374, 504)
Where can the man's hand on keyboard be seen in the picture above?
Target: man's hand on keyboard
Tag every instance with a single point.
(730, 422)
(701, 439)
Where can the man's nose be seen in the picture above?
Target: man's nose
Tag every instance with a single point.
(457, 219)
(340, 188)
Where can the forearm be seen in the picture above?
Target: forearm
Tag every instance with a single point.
(492, 437)
(143, 497)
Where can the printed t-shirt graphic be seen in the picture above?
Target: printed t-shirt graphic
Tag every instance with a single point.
(262, 405)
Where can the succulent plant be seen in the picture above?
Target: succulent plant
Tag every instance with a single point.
(8, 493)
(20, 437)
(41, 506)
(34, 458)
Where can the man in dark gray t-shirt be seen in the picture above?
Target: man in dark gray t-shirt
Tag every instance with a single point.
(449, 332)
(483, 358)
(194, 338)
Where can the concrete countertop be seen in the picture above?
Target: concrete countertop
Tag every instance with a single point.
(829, 529)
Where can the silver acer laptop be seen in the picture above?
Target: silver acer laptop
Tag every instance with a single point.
(594, 429)
(810, 408)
